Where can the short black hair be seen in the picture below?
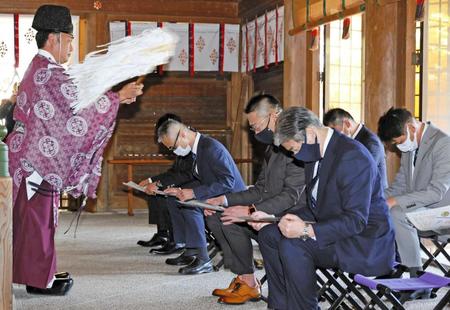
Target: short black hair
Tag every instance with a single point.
(165, 117)
(336, 115)
(253, 103)
(41, 38)
(392, 124)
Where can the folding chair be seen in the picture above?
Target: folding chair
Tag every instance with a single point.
(352, 288)
(440, 241)
(392, 289)
(213, 248)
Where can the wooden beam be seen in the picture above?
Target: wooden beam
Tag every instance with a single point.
(169, 8)
(312, 79)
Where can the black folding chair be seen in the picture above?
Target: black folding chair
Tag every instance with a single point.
(440, 241)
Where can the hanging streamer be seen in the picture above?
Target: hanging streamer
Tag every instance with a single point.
(161, 67)
(346, 28)
(255, 50)
(221, 46)
(128, 28)
(276, 37)
(420, 9)
(314, 42)
(266, 64)
(246, 47)
(191, 49)
(16, 41)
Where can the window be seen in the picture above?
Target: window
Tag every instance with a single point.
(27, 49)
(342, 65)
(436, 87)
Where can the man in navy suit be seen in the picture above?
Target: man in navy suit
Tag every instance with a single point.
(345, 225)
(217, 173)
(342, 121)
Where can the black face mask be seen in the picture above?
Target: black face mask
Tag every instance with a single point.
(309, 152)
(265, 136)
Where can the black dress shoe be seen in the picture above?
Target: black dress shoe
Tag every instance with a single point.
(197, 266)
(156, 240)
(180, 260)
(167, 249)
(60, 287)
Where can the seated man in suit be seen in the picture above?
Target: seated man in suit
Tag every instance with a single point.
(277, 189)
(423, 180)
(346, 224)
(217, 173)
(342, 121)
(178, 175)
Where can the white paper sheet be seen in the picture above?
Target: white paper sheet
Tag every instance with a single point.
(431, 219)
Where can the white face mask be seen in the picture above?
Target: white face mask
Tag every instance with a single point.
(182, 151)
(408, 145)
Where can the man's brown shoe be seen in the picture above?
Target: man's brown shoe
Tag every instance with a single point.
(241, 294)
(219, 292)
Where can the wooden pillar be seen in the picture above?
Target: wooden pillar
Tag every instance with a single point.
(6, 296)
(312, 78)
(294, 82)
(389, 73)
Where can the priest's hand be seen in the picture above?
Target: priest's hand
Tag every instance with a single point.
(129, 92)
(258, 225)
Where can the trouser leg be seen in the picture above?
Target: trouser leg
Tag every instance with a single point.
(239, 237)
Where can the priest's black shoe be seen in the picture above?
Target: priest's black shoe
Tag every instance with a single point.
(155, 241)
(60, 287)
(197, 266)
(167, 249)
(181, 260)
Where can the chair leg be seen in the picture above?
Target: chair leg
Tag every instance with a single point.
(443, 302)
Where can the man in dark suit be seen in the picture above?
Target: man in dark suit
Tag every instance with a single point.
(346, 224)
(342, 121)
(180, 174)
(276, 190)
(217, 173)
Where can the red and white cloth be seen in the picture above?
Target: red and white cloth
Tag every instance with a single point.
(7, 59)
(139, 27)
(206, 47)
(179, 62)
(231, 48)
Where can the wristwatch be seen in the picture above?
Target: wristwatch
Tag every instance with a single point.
(305, 234)
(251, 209)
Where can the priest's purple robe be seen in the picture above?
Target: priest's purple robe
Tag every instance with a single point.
(64, 148)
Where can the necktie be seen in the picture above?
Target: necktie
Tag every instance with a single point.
(415, 157)
(267, 154)
(313, 183)
(194, 166)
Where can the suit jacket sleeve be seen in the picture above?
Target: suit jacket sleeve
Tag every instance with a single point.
(355, 176)
(440, 180)
(252, 195)
(180, 173)
(294, 183)
(398, 186)
(222, 168)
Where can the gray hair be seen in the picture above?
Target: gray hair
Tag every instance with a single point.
(291, 124)
(169, 128)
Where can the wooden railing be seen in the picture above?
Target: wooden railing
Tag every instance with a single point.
(130, 162)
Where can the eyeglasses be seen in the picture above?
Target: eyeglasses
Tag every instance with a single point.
(256, 126)
(175, 143)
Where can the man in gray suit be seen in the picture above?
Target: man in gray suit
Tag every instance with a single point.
(342, 121)
(423, 180)
(277, 189)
